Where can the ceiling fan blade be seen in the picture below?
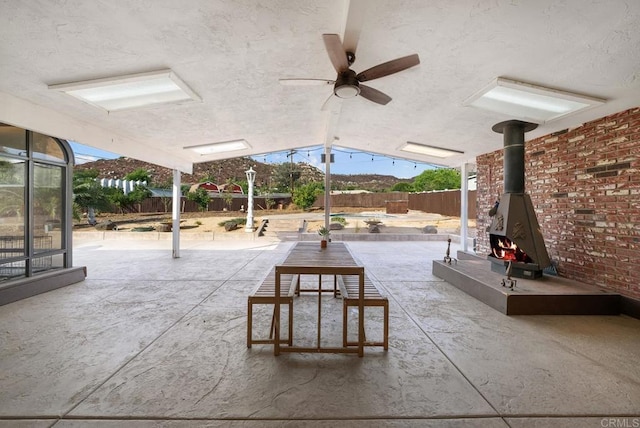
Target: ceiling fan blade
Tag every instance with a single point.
(355, 18)
(306, 82)
(374, 95)
(388, 68)
(336, 52)
(332, 103)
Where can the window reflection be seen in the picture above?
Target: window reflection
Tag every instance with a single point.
(12, 270)
(12, 207)
(13, 140)
(45, 263)
(47, 207)
(46, 148)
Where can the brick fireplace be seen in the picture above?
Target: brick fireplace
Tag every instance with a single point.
(584, 184)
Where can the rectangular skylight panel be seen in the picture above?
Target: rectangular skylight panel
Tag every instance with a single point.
(131, 91)
(424, 149)
(529, 102)
(534, 101)
(222, 147)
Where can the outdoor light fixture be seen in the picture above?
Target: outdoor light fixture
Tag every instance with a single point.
(251, 178)
(347, 85)
(130, 91)
(529, 102)
(347, 91)
(424, 149)
(221, 147)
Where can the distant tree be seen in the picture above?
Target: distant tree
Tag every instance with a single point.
(166, 200)
(284, 175)
(228, 199)
(117, 198)
(200, 197)
(437, 179)
(81, 175)
(305, 195)
(88, 194)
(137, 195)
(402, 187)
(139, 174)
(245, 186)
(270, 203)
(10, 173)
(127, 203)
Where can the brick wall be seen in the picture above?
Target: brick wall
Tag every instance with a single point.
(585, 187)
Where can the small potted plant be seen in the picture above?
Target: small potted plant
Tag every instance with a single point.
(324, 233)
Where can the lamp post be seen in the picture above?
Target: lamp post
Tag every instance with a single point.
(251, 177)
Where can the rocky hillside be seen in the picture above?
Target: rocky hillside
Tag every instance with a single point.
(233, 169)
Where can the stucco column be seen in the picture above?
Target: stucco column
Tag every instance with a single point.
(464, 205)
(327, 187)
(175, 214)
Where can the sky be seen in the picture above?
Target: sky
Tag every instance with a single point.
(346, 161)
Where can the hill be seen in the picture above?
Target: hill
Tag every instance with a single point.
(233, 170)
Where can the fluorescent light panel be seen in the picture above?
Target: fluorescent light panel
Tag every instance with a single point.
(529, 102)
(424, 149)
(130, 91)
(221, 147)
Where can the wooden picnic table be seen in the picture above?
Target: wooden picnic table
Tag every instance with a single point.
(307, 258)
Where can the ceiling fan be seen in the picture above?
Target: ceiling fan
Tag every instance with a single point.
(347, 83)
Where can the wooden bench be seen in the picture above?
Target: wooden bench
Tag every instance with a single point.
(349, 290)
(265, 294)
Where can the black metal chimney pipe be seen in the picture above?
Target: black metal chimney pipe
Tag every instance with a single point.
(513, 131)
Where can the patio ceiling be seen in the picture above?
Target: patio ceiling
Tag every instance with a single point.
(232, 55)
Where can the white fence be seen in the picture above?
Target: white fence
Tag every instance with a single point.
(126, 185)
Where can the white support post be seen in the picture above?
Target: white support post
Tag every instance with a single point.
(464, 205)
(175, 227)
(327, 186)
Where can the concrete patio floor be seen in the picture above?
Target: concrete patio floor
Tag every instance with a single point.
(151, 341)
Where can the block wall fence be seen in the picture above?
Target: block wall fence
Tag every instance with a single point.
(585, 187)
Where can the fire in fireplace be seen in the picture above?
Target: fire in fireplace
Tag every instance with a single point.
(502, 248)
(514, 234)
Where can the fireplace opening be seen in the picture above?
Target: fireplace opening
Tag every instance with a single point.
(503, 248)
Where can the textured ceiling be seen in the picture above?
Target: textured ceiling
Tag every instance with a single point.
(233, 53)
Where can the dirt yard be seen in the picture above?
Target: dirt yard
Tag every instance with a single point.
(356, 218)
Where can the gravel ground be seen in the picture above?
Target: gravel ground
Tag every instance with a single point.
(356, 219)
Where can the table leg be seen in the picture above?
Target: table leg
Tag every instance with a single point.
(319, 309)
(276, 314)
(361, 316)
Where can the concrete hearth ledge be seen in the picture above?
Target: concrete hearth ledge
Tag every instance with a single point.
(549, 295)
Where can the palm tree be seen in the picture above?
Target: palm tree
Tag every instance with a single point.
(88, 194)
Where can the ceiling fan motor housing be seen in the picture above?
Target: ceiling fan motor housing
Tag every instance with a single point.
(347, 86)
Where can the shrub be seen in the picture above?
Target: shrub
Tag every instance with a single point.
(238, 220)
(270, 203)
(306, 195)
(402, 187)
(200, 197)
(341, 220)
